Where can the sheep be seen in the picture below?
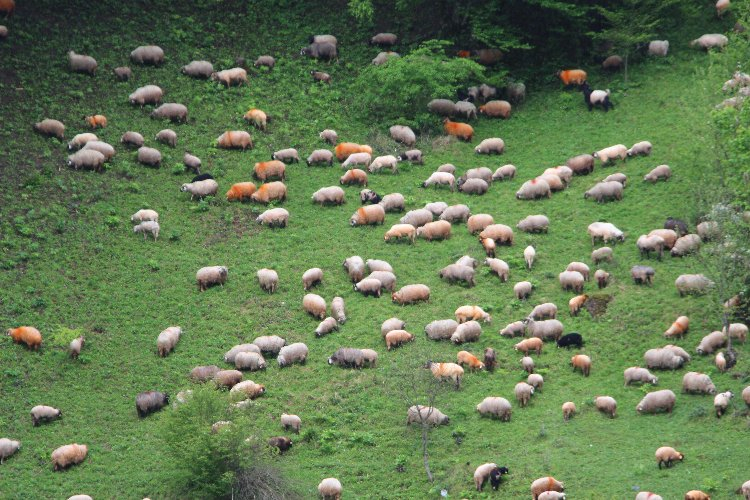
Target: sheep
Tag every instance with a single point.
(132, 139)
(384, 39)
(314, 305)
(203, 374)
(466, 332)
(436, 208)
(658, 48)
(8, 448)
(332, 195)
(229, 77)
(267, 61)
(571, 280)
(89, 159)
(548, 310)
(456, 213)
(200, 189)
(617, 177)
(710, 41)
(75, 346)
(669, 236)
(469, 313)
(67, 455)
(500, 233)
(235, 139)
(647, 244)
(533, 189)
(581, 165)
(696, 382)
(438, 230)
(269, 170)
(697, 495)
(721, 402)
(269, 344)
(312, 277)
(227, 378)
(326, 326)
(551, 495)
(149, 402)
(690, 243)
(605, 191)
(209, 276)
(381, 162)
(478, 222)
(655, 401)
(241, 191)
(545, 484)
(572, 77)
(106, 149)
(532, 344)
(148, 54)
(663, 359)
(412, 155)
(398, 231)
(642, 148)
(637, 374)
(198, 69)
(290, 422)
(383, 57)
(323, 50)
(330, 489)
(80, 63)
(522, 290)
(494, 145)
(658, 173)
(611, 153)
(354, 176)
(393, 202)
(534, 224)
(576, 303)
(553, 180)
(410, 294)
(50, 128)
(506, 172)
(581, 362)
(692, 283)
(347, 357)
(173, 111)
(563, 172)
(568, 409)
(496, 109)
(151, 227)
(247, 389)
(369, 286)
(442, 107)
(721, 7)
(738, 331)
(642, 275)
(26, 335)
(515, 329)
(80, 141)
(289, 155)
(403, 134)
(426, 415)
(149, 94)
(465, 358)
(528, 364)
(745, 489)
(465, 110)
(462, 131)
(355, 267)
(440, 178)
(596, 97)
(368, 215)
(391, 324)
(418, 217)
(667, 455)
(711, 342)
(292, 353)
(440, 329)
(707, 230)
(606, 405)
(345, 149)
(395, 338)
(679, 327)
(499, 267)
(446, 371)
(603, 254)
(231, 354)
(123, 73)
(613, 62)
(41, 413)
(274, 217)
(523, 393)
(249, 361)
(167, 340)
(570, 340)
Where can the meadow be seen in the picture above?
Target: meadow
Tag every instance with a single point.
(70, 260)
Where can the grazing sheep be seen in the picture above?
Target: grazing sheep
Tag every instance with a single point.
(692, 283)
(249, 361)
(568, 409)
(198, 69)
(392, 324)
(667, 455)
(398, 231)
(637, 374)
(456, 213)
(678, 351)
(269, 170)
(506, 172)
(354, 176)
(602, 278)
(462, 131)
(26, 335)
(289, 155)
(440, 178)
(613, 62)
(149, 94)
(696, 382)
(410, 294)
(8, 447)
(534, 224)
(581, 164)
(332, 195)
(658, 173)
(708, 230)
(231, 354)
(495, 407)
(466, 332)
(669, 236)
(132, 139)
(551, 495)
(658, 48)
(611, 153)
(446, 371)
(368, 215)
(571, 280)
(570, 340)
(532, 344)
(291, 422)
(545, 484)
(267, 61)
(440, 329)
(522, 290)
(664, 359)
(721, 402)
(269, 344)
(533, 189)
(581, 362)
(369, 286)
(80, 63)
(396, 338)
(247, 389)
(499, 267)
(173, 111)
(606, 405)
(515, 329)
(274, 217)
(642, 148)
(234, 139)
(200, 189)
(326, 326)
(268, 279)
(330, 489)
(576, 303)
(438, 230)
(149, 402)
(442, 107)
(711, 342)
(314, 305)
(241, 191)
(355, 268)
(596, 97)
(151, 227)
(403, 134)
(203, 374)
(167, 340)
(347, 357)
(229, 77)
(412, 155)
(710, 41)
(436, 208)
(148, 54)
(523, 393)
(679, 327)
(690, 243)
(227, 378)
(89, 159)
(479, 222)
(605, 191)
(418, 217)
(472, 313)
(209, 276)
(393, 202)
(572, 77)
(656, 401)
(320, 50)
(383, 57)
(490, 146)
(603, 254)
(738, 331)
(547, 310)
(384, 39)
(580, 267)
(553, 180)
(282, 443)
(465, 109)
(50, 128)
(80, 140)
(75, 346)
(528, 364)
(345, 149)
(496, 109)
(41, 413)
(123, 73)
(617, 177)
(426, 415)
(67, 455)
(106, 149)
(312, 277)
(647, 244)
(465, 358)
(642, 275)
(292, 353)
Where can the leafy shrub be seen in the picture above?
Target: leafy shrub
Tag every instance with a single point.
(62, 336)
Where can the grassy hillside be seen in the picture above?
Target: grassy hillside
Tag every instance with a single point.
(70, 259)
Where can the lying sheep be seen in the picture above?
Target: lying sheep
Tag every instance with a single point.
(149, 94)
(606, 405)
(438, 230)
(50, 128)
(499, 267)
(721, 402)
(148, 54)
(711, 342)
(466, 332)
(80, 63)
(67, 455)
(326, 326)
(274, 217)
(695, 382)
(571, 280)
(602, 278)
(637, 374)
(292, 353)
(173, 111)
(198, 69)
(456, 213)
(692, 283)
(314, 305)
(522, 290)
(88, 159)
(697, 495)
(398, 231)
(533, 189)
(605, 191)
(347, 357)
(368, 215)
(132, 139)
(662, 172)
(200, 189)
(642, 148)
(642, 275)
(312, 277)
(690, 243)
(583, 363)
(611, 153)
(229, 77)
(658, 48)
(534, 224)
(354, 176)
(210, 276)
(494, 145)
(710, 41)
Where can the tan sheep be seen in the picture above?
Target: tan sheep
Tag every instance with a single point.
(543, 484)
(235, 139)
(581, 362)
(478, 222)
(476, 313)
(398, 231)
(606, 405)
(314, 305)
(330, 489)
(667, 455)
(410, 294)
(531, 344)
(69, 454)
(568, 409)
(167, 340)
(438, 230)
(396, 338)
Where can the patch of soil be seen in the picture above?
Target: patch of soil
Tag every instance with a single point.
(596, 305)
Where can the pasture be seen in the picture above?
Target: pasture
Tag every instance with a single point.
(70, 260)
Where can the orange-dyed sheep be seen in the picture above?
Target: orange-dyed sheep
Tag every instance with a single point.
(269, 192)
(572, 76)
(462, 131)
(576, 303)
(468, 359)
(679, 327)
(273, 169)
(241, 191)
(368, 215)
(7, 7)
(257, 117)
(344, 149)
(581, 362)
(27, 335)
(95, 121)
(232, 139)
(354, 176)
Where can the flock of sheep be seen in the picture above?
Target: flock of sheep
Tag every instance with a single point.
(435, 221)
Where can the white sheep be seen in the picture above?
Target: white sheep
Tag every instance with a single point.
(149, 226)
(201, 189)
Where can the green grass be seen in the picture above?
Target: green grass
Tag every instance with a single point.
(70, 259)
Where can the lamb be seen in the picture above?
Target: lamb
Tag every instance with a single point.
(241, 191)
(438, 230)
(151, 227)
(67, 455)
(354, 176)
(149, 94)
(325, 51)
(663, 359)
(642, 148)
(26, 335)
(314, 305)
(472, 313)
(532, 344)
(330, 489)
(466, 332)
(229, 77)
(647, 244)
(606, 405)
(440, 178)
(89, 159)
(149, 402)
(581, 164)
(440, 329)
(545, 484)
(456, 213)
(417, 218)
(80, 63)
(80, 140)
(658, 48)
(292, 353)
(383, 57)
(515, 329)
(602, 278)
(347, 357)
(395, 338)
(312, 277)
(581, 362)
(148, 54)
(499, 267)
(522, 290)
(571, 280)
(247, 389)
(368, 215)
(667, 455)
(605, 191)
(721, 402)
(411, 294)
(576, 303)
(200, 189)
(500, 233)
(494, 145)
(528, 364)
(637, 374)
(369, 286)
(696, 382)
(533, 189)
(209, 276)
(642, 275)
(50, 128)
(403, 134)
(568, 409)
(173, 111)
(466, 358)
(692, 283)
(710, 41)
(235, 139)
(274, 217)
(459, 130)
(496, 109)
(678, 328)
(711, 342)
(426, 415)
(41, 413)
(332, 195)
(249, 361)
(534, 224)
(132, 139)
(446, 371)
(198, 69)
(690, 243)
(658, 173)
(611, 153)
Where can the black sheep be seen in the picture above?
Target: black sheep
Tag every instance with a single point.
(677, 225)
(202, 177)
(571, 340)
(496, 475)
